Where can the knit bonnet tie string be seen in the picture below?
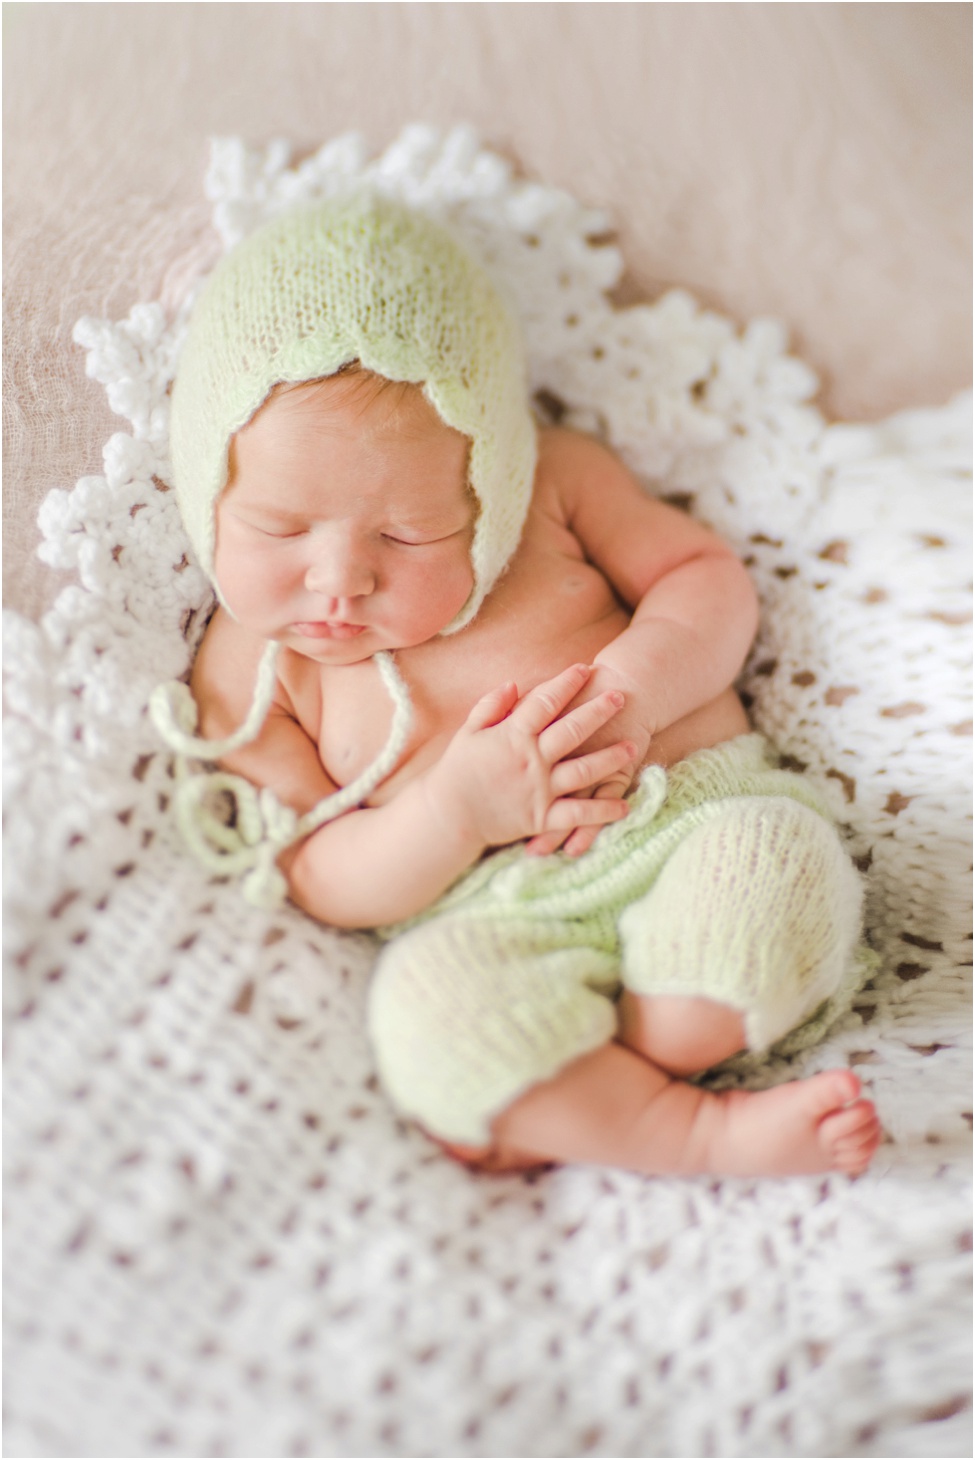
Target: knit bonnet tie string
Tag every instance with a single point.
(262, 827)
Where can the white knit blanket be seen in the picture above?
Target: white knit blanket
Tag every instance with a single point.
(221, 1240)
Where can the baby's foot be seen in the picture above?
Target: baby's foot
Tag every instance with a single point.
(811, 1125)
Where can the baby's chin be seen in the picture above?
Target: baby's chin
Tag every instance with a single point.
(329, 653)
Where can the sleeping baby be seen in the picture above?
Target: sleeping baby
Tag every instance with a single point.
(497, 722)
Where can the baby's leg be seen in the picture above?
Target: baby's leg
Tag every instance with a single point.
(755, 916)
(471, 1017)
(750, 928)
(615, 1108)
(467, 1012)
(681, 1033)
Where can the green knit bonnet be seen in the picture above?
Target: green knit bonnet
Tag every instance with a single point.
(362, 279)
(358, 279)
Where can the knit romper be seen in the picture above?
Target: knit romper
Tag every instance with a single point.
(727, 880)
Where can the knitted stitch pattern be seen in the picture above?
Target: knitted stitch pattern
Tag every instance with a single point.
(220, 1239)
(360, 278)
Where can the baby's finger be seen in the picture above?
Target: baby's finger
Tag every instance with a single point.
(580, 840)
(573, 811)
(547, 700)
(565, 735)
(588, 770)
(546, 842)
(493, 707)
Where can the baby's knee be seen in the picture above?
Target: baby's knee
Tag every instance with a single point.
(758, 909)
(683, 1034)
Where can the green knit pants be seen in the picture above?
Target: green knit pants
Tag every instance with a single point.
(726, 881)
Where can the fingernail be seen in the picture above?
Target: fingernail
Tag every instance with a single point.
(616, 697)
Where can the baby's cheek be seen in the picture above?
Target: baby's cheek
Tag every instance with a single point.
(449, 585)
(251, 577)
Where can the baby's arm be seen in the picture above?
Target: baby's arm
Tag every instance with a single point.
(695, 610)
(504, 776)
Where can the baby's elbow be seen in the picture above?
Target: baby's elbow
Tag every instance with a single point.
(315, 900)
(307, 887)
(323, 891)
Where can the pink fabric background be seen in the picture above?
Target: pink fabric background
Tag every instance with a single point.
(807, 161)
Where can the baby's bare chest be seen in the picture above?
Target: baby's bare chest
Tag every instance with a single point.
(549, 613)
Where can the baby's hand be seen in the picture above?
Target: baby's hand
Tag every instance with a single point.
(631, 723)
(505, 775)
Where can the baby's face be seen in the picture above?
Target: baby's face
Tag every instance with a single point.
(346, 525)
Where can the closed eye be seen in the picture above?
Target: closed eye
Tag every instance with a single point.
(421, 542)
(270, 531)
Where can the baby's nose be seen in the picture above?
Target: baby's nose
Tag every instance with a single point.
(337, 570)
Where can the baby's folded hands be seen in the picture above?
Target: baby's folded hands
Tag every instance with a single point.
(632, 724)
(511, 771)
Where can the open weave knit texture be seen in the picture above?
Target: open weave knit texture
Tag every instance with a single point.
(221, 1240)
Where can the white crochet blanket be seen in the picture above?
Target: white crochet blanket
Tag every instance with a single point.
(221, 1241)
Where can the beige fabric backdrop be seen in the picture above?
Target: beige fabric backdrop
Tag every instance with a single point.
(809, 161)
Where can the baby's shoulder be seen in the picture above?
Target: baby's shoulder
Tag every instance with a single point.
(573, 467)
(569, 455)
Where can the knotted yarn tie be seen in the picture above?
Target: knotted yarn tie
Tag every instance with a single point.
(174, 713)
(262, 826)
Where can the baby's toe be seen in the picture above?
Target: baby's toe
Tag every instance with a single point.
(853, 1160)
(491, 1158)
(851, 1137)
